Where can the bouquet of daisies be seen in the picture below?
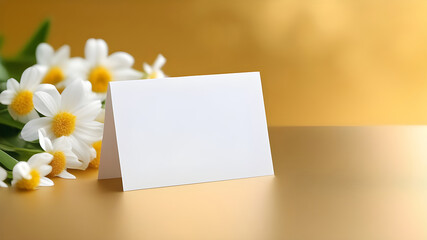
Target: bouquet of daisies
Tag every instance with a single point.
(51, 116)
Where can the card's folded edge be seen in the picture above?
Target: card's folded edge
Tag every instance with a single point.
(109, 166)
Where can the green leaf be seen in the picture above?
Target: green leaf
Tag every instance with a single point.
(38, 37)
(16, 66)
(7, 120)
(7, 148)
(7, 161)
(15, 146)
(9, 136)
(4, 75)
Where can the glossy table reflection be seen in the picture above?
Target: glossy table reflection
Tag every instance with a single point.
(331, 183)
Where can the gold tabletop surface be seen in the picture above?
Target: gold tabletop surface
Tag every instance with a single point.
(330, 183)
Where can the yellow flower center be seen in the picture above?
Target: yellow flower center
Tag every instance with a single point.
(100, 77)
(22, 104)
(95, 162)
(152, 75)
(29, 184)
(57, 163)
(63, 124)
(54, 76)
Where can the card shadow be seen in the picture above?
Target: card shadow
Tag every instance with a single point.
(110, 185)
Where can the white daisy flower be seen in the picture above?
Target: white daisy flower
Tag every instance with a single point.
(102, 68)
(101, 116)
(3, 176)
(94, 163)
(19, 96)
(70, 114)
(57, 68)
(63, 156)
(31, 174)
(155, 71)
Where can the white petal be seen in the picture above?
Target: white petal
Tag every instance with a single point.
(120, 60)
(6, 97)
(44, 141)
(13, 85)
(88, 112)
(126, 74)
(73, 162)
(86, 85)
(62, 84)
(160, 74)
(32, 115)
(28, 117)
(44, 54)
(3, 185)
(21, 170)
(30, 130)
(96, 51)
(45, 104)
(44, 170)
(92, 153)
(46, 182)
(90, 96)
(77, 67)
(101, 116)
(3, 174)
(89, 132)
(102, 50)
(62, 144)
(40, 159)
(66, 175)
(12, 113)
(91, 51)
(82, 151)
(31, 78)
(44, 69)
(72, 96)
(147, 68)
(100, 96)
(62, 55)
(160, 61)
(51, 90)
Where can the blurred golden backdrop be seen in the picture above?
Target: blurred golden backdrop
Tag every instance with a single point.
(325, 62)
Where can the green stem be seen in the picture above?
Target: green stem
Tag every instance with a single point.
(6, 148)
(6, 119)
(27, 150)
(7, 161)
(17, 149)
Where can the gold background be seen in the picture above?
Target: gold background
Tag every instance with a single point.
(322, 62)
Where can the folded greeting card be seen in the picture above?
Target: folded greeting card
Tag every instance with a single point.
(182, 130)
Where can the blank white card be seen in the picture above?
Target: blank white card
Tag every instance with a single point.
(182, 130)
